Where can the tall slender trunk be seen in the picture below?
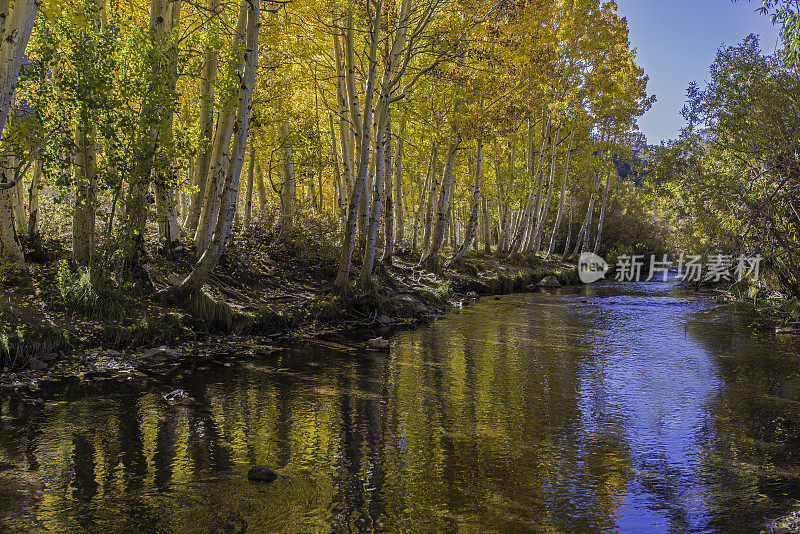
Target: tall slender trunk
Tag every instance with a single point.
(17, 30)
(388, 217)
(344, 127)
(542, 219)
(206, 122)
(338, 179)
(487, 225)
(563, 196)
(262, 191)
(20, 218)
(166, 175)
(569, 226)
(348, 241)
(289, 187)
(10, 246)
(83, 220)
(249, 12)
(33, 203)
(472, 224)
(248, 199)
(429, 205)
(431, 258)
(582, 243)
(398, 185)
(536, 176)
(602, 216)
(422, 188)
(370, 250)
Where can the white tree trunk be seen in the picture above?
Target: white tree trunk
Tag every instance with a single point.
(203, 162)
(248, 199)
(250, 13)
(602, 216)
(17, 31)
(472, 224)
(563, 196)
(431, 258)
(542, 218)
(10, 246)
(289, 187)
(362, 134)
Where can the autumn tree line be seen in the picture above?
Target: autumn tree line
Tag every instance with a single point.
(433, 126)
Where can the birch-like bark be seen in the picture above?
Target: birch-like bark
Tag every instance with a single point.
(219, 156)
(602, 216)
(505, 237)
(17, 31)
(348, 240)
(344, 127)
(206, 122)
(472, 224)
(339, 180)
(10, 246)
(289, 187)
(262, 191)
(581, 244)
(250, 13)
(569, 226)
(248, 199)
(164, 179)
(388, 215)
(422, 190)
(536, 176)
(398, 185)
(430, 206)
(487, 226)
(542, 218)
(18, 199)
(563, 196)
(373, 228)
(431, 258)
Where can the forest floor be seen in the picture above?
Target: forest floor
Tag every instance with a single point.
(56, 326)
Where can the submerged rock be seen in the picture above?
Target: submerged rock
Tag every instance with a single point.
(260, 473)
(178, 395)
(161, 354)
(378, 343)
(549, 281)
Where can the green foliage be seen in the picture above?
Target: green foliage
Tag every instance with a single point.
(90, 293)
(733, 176)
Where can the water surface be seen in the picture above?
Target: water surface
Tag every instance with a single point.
(617, 408)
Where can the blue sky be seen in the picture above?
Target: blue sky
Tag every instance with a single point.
(677, 40)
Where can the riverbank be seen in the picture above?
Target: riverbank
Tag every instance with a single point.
(58, 325)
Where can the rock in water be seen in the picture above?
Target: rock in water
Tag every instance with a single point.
(378, 343)
(260, 473)
(176, 396)
(549, 281)
(161, 354)
(384, 319)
